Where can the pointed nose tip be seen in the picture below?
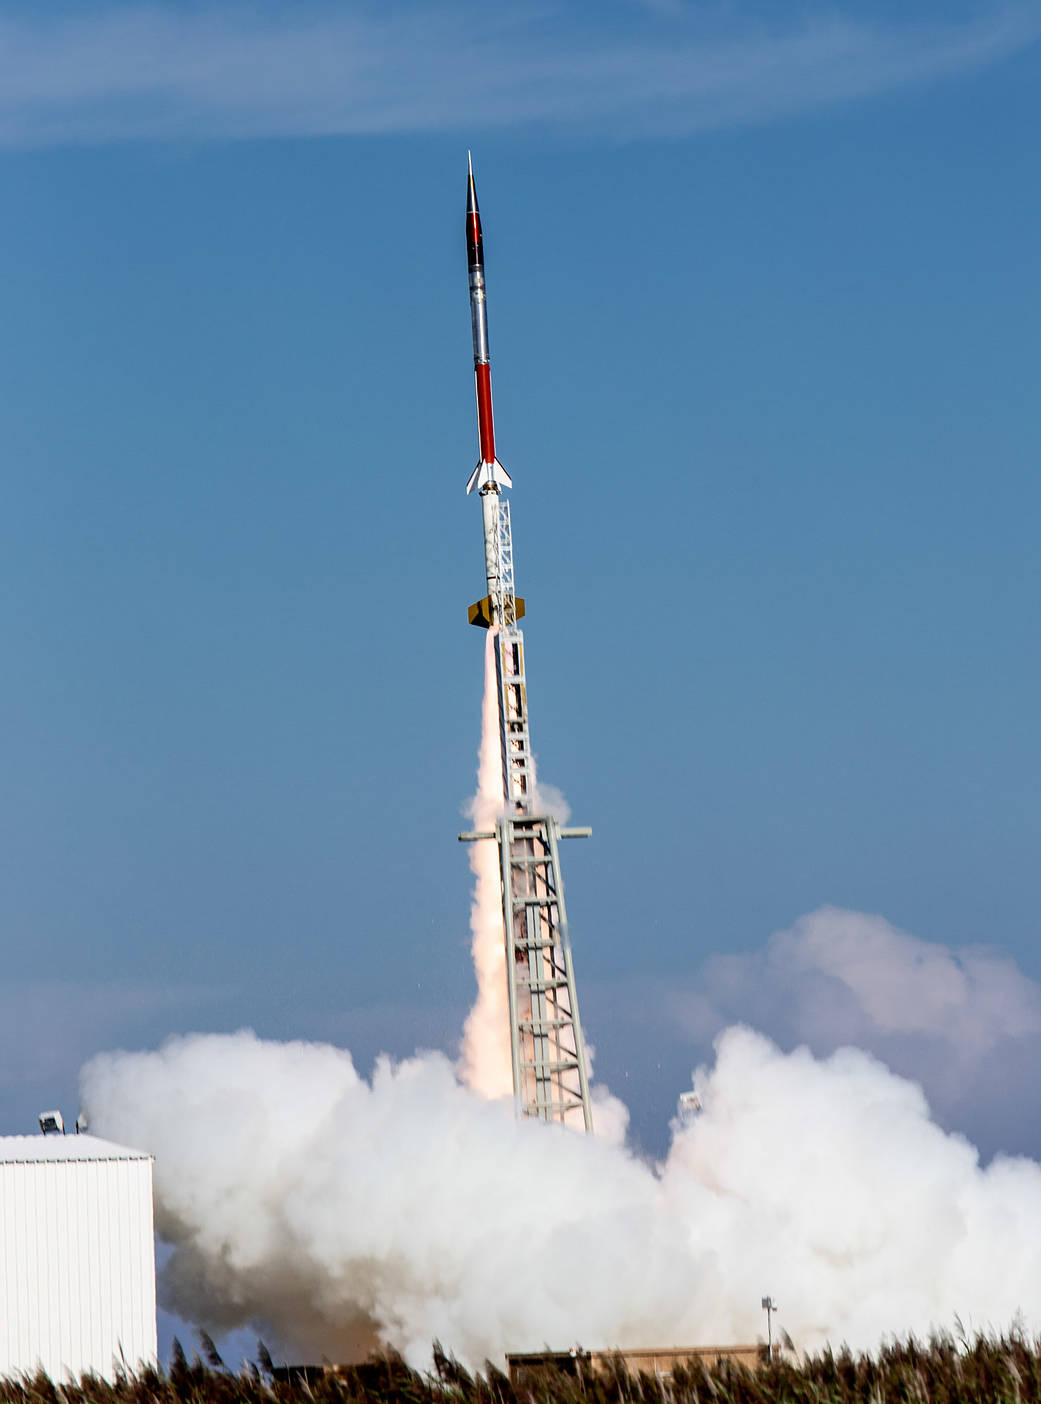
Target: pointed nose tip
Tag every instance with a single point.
(471, 191)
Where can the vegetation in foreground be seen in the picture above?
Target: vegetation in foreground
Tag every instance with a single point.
(945, 1371)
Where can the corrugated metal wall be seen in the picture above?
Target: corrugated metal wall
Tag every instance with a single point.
(77, 1266)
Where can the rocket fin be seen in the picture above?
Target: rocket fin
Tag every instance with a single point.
(486, 473)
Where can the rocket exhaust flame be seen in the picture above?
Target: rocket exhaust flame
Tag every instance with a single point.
(485, 1051)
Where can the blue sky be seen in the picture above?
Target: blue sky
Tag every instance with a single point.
(764, 310)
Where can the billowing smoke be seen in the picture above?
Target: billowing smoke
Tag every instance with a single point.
(333, 1213)
(964, 1022)
(302, 1197)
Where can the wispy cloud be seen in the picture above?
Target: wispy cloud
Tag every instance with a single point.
(230, 71)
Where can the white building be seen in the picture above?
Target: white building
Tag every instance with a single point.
(77, 1256)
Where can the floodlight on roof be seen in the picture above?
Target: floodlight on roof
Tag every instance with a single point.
(51, 1123)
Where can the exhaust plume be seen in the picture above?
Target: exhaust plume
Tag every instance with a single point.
(486, 1062)
(302, 1199)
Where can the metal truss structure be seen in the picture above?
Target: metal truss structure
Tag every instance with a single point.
(550, 1078)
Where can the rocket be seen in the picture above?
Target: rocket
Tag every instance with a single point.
(489, 472)
(499, 606)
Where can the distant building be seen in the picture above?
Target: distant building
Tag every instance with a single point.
(77, 1256)
(661, 1362)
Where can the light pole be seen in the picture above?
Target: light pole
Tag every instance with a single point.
(769, 1306)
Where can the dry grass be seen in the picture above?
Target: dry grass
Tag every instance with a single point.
(945, 1371)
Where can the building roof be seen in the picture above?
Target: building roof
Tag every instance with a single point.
(19, 1150)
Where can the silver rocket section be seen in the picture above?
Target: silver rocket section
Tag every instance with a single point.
(479, 315)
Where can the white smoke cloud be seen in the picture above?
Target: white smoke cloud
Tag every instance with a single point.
(333, 1213)
(965, 1022)
(551, 800)
(300, 1197)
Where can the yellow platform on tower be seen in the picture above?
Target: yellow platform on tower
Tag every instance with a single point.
(482, 614)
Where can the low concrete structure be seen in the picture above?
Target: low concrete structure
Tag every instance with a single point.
(648, 1361)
